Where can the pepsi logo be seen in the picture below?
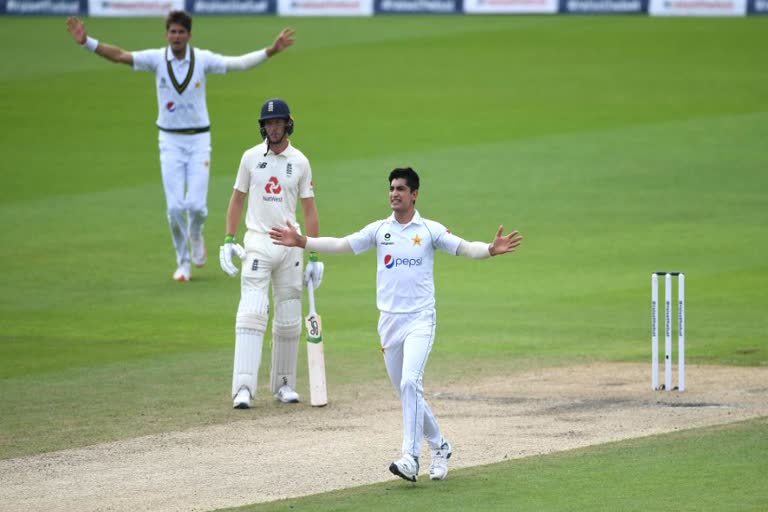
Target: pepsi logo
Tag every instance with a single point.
(390, 261)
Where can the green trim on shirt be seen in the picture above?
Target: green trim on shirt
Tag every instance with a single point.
(180, 88)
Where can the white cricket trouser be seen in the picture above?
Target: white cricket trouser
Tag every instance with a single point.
(185, 164)
(406, 340)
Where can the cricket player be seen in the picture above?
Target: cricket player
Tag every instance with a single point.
(182, 120)
(405, 295)
(274, 176)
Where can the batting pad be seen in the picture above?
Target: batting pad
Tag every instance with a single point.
(286, 328)
(253, 310)
(248, 344)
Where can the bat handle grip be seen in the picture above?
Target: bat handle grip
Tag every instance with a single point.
(311, 296)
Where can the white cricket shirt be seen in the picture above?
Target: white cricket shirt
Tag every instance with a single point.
(273, 184)
(405, 257)
(180, 85)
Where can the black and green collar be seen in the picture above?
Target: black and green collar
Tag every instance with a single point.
(180, 88)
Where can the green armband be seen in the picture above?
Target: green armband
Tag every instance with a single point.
(230, 239)
(313, 256)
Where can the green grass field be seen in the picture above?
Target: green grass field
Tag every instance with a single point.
(616, 145)
(705, 469)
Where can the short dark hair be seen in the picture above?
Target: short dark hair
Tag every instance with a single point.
(182, 18)
(406, 173)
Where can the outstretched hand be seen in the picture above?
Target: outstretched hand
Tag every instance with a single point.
(505, 243)
(283, 40)
(77, 29)
(287, 236)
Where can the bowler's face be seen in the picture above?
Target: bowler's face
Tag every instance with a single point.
(177, 37)
(401, 198)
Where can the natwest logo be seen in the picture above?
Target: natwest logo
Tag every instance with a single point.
(390, 261)
(273, 187)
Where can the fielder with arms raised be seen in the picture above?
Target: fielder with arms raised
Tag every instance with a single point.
(184, 128)
(273, 175)
(405, 244)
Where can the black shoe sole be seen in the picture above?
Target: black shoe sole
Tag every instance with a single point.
(396, 471)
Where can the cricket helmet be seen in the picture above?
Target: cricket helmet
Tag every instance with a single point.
(275, 108)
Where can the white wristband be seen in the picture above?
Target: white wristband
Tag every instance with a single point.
(90, 43)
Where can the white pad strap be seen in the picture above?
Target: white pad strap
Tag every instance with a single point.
(248, 344)
(287, 321)
(253, 310)
(286, 328)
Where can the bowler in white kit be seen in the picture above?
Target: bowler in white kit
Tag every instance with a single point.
(405, 245)
(182, 120)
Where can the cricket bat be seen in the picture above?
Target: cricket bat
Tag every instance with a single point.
(318, 396)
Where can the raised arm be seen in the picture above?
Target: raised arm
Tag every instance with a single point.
(501, 244)
(289, 237)
(283, 40)
(113, 53)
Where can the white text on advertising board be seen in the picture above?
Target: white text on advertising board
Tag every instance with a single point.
(42, 7)
(231, 7)
(604, 5)
(418, 5)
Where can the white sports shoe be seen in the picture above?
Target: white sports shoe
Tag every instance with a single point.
(438, 470)
(242, 399)
(199, 254)
(286, 395)
(183, 273)
(406, 467)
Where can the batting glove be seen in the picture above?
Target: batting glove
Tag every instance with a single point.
(314, 271)
(226, 251)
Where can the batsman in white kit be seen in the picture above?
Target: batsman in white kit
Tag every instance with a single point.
(182, 120)
(274, 176)
(405, 245)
